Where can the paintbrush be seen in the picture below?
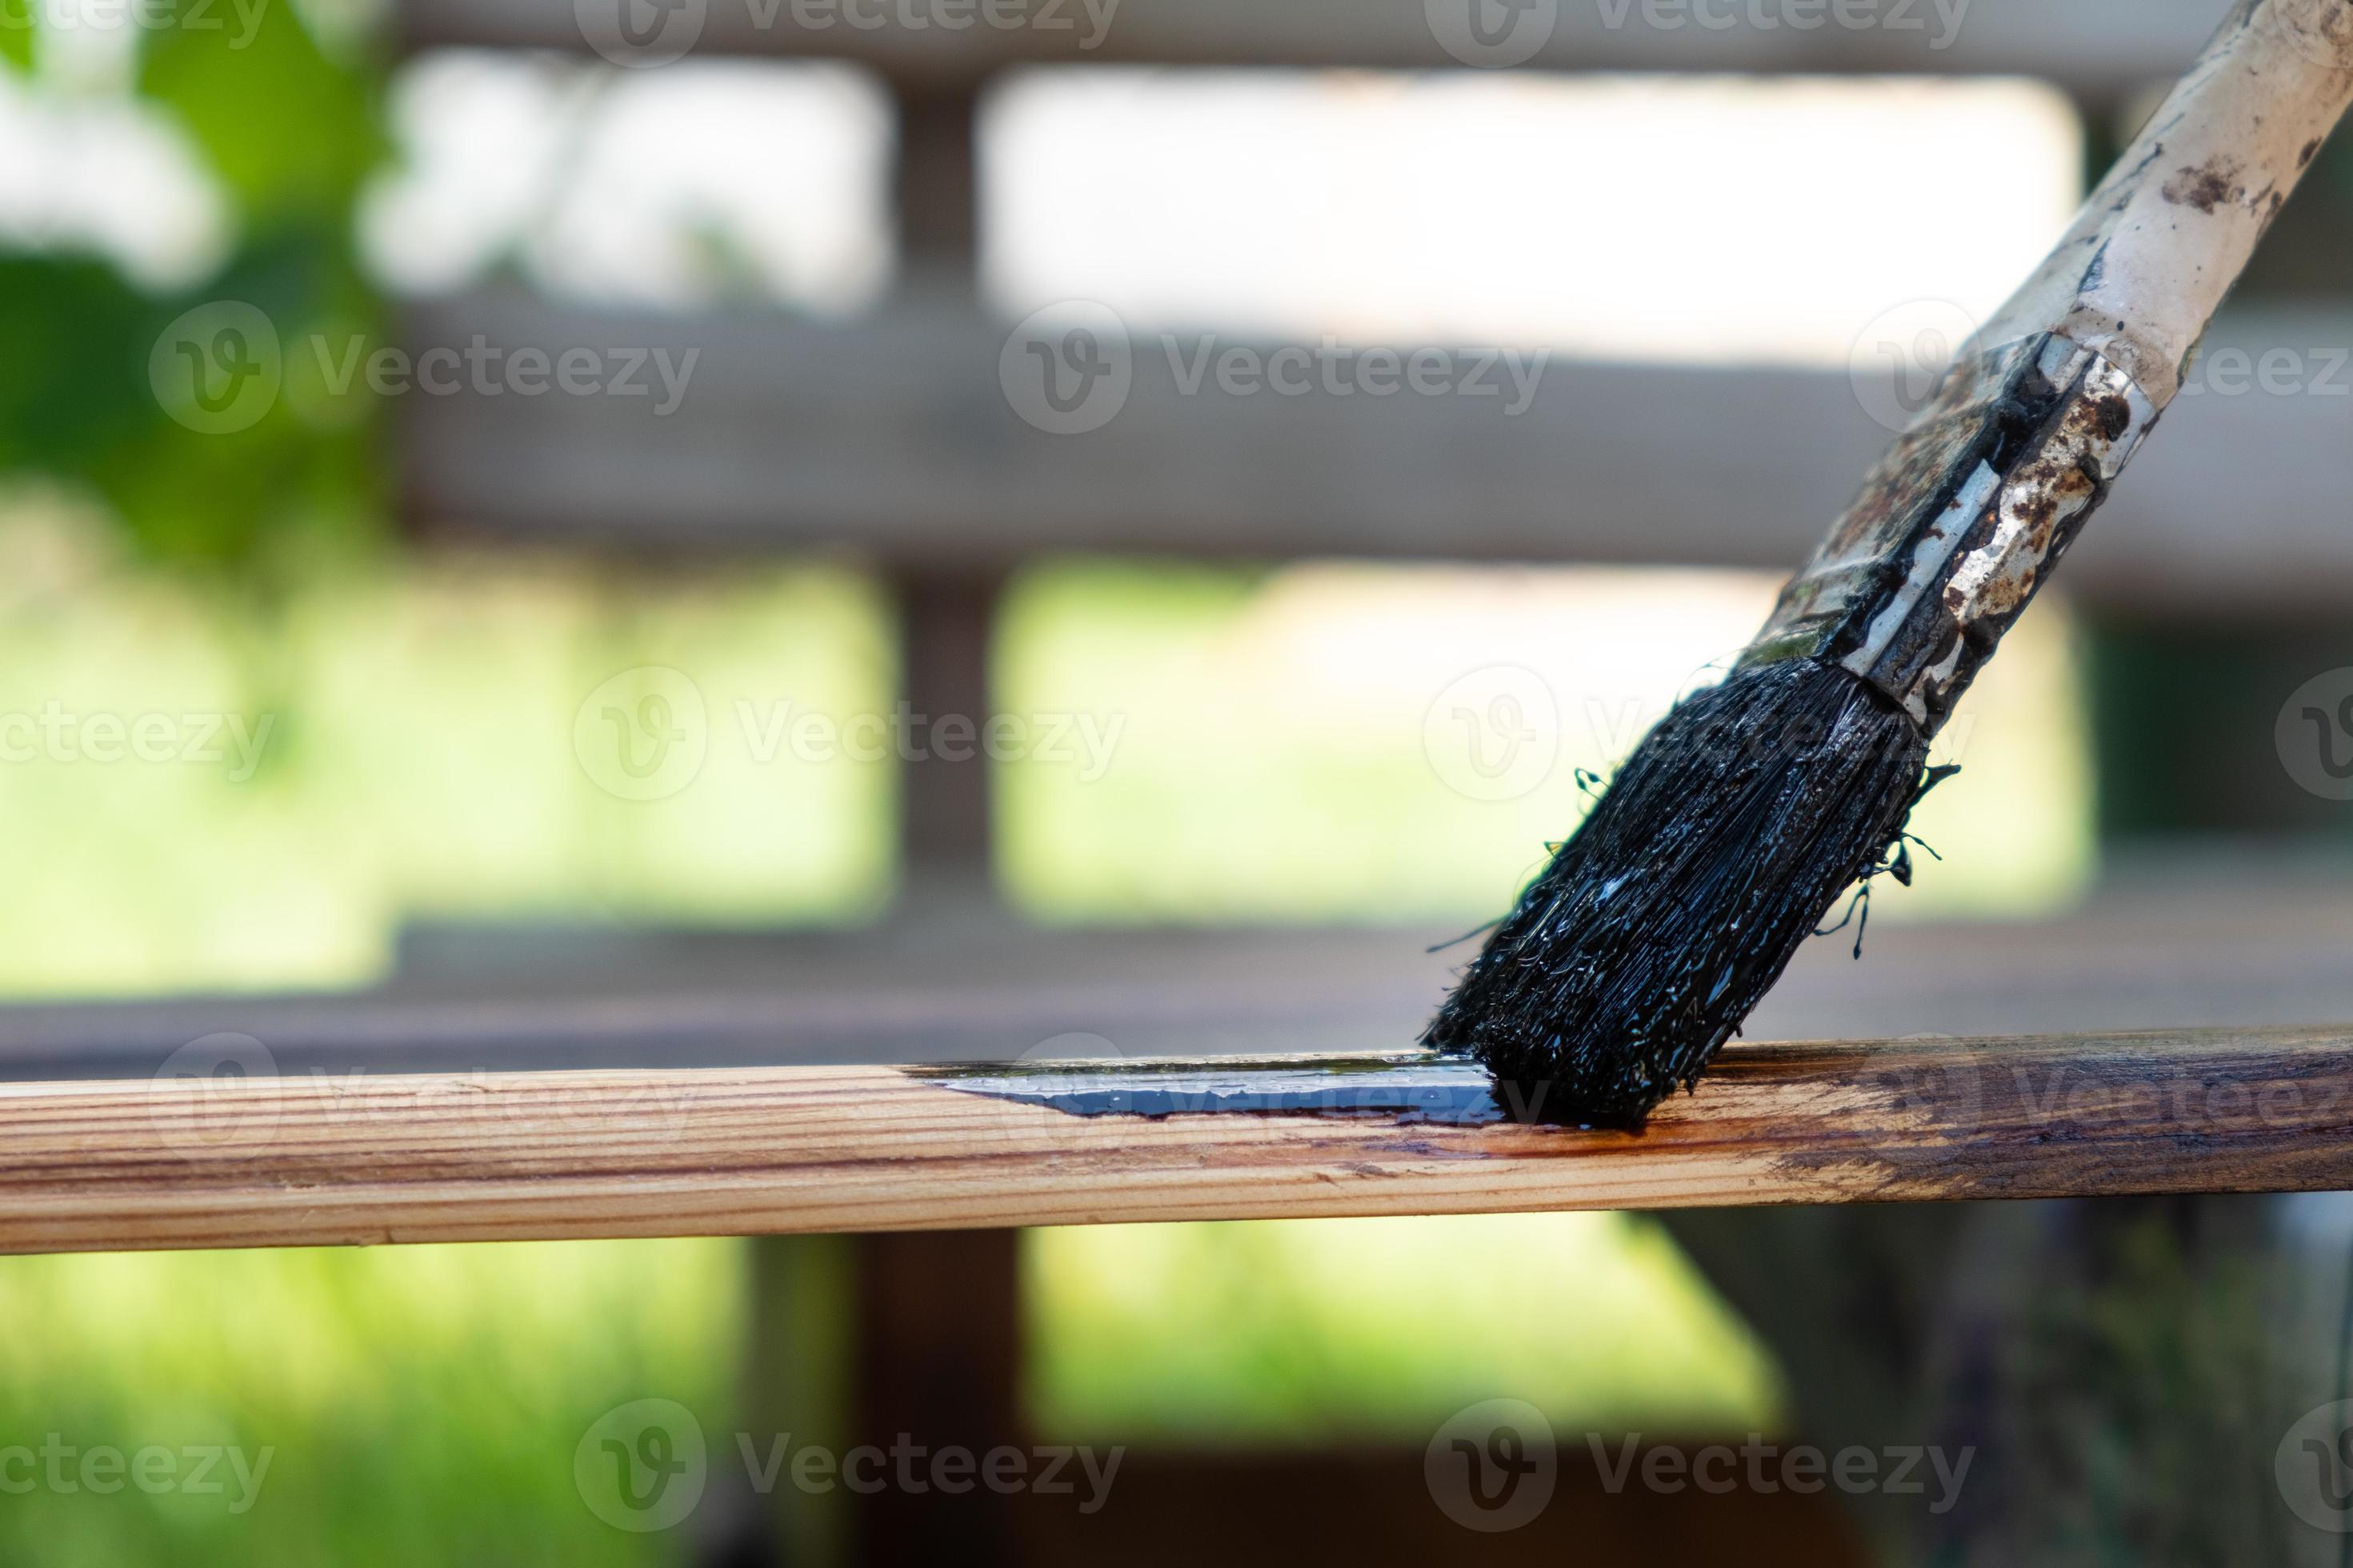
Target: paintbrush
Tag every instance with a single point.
(1736, 826)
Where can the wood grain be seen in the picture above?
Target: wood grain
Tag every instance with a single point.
(233, 1161)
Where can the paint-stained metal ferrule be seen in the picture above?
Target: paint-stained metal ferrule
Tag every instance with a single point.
(1962, 522)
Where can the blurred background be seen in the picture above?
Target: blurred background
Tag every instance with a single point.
(498, 499)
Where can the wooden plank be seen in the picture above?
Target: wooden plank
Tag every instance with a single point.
(221, 1163)
(2102, 50)
(892, 436)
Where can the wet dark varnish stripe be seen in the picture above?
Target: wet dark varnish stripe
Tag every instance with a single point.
(1408, 1089)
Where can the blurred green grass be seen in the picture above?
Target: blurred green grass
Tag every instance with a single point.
(1368, 1331)
(423, 1404)
(419, 760)
(420, 1405)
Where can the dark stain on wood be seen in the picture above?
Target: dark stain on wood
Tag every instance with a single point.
(1909, 1120)
(1407, 1089)
(2012, 1120)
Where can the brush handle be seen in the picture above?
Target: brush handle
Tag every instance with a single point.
(2161, 241)
(1970, 512)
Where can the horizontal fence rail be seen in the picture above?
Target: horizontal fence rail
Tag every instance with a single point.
(209, 1162)
(2098, 49)
(893, 436)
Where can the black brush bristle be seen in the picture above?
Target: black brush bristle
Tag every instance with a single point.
(1719, 847)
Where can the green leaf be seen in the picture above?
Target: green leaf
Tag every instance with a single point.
(84, 400)
(291, 130)
(17, 38)
(72, 333)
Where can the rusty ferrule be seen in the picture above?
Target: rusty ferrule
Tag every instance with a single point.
(1962, 522)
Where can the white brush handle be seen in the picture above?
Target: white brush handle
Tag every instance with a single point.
(2166, 233)
(1967, 515)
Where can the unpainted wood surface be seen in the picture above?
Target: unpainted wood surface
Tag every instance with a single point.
(220, 1162)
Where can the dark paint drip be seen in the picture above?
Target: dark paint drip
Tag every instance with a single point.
(1405, 1090)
